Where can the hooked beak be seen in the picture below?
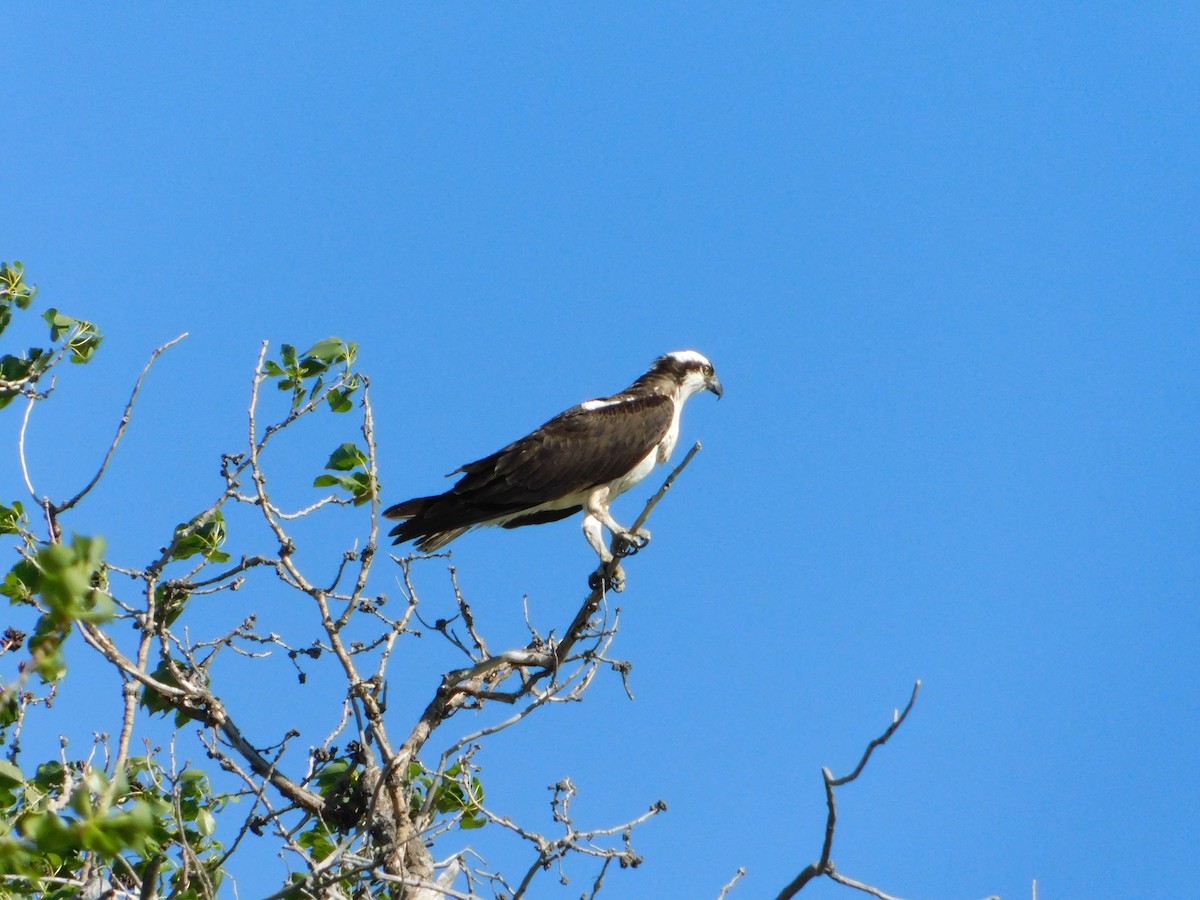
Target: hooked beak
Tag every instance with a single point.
(714, 385)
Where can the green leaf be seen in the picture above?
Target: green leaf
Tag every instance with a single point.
(333, 350)
(332, 773)
(310, 367)
(12, 518)
(49, 776)
(358, 485)
(22, 582)
(59, 324)
(317, 842)
(84, 343)
(305, 374)
(10, 773)
(346, 457)
(153, 701)
(11, 778)
(49, 834)
(365, 489)
(45, 647)
(339, 401)
(203, 535)
(10, 709)
(170, 600)
(13, 289)
(206, 823)
(83, 338)
(316, 388)
(71, 580)
(22, 370)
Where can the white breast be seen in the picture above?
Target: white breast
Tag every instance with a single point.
(667, 445)
(644, 467)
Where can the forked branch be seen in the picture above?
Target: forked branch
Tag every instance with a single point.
(824, 865)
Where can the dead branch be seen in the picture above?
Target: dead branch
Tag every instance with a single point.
(126, 417)
(737, 876)
(824, 865)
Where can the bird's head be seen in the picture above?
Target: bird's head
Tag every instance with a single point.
(691, 371)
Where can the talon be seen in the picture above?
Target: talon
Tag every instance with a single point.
(616, 578)
(629, 542)
(610, 576)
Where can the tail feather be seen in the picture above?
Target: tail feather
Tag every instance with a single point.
(409, 509)
(430, 524)
(439, 539)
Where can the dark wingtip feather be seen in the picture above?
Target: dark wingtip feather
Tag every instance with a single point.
(425, 522)
(409, 509)
(408, 531)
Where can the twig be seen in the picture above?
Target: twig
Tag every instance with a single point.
(897, 721)
(824, 865)
(858, 885)
(122, 425)
(666, 486)
(737, 876)
(467, 615)
(599, 882)
(21, 448)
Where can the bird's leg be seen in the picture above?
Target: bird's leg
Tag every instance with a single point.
(627, 542)
(609, 574)
(593, 531)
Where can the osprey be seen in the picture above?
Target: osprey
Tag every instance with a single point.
(579, 460)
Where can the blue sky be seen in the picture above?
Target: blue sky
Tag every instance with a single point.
(945, 260)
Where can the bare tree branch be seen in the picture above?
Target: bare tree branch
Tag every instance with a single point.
(897, 720)
(729, 885)
(666, 486)
(825, 865)
(21, 448)
(121, 426)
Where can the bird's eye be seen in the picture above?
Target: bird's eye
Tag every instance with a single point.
(708, 370)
